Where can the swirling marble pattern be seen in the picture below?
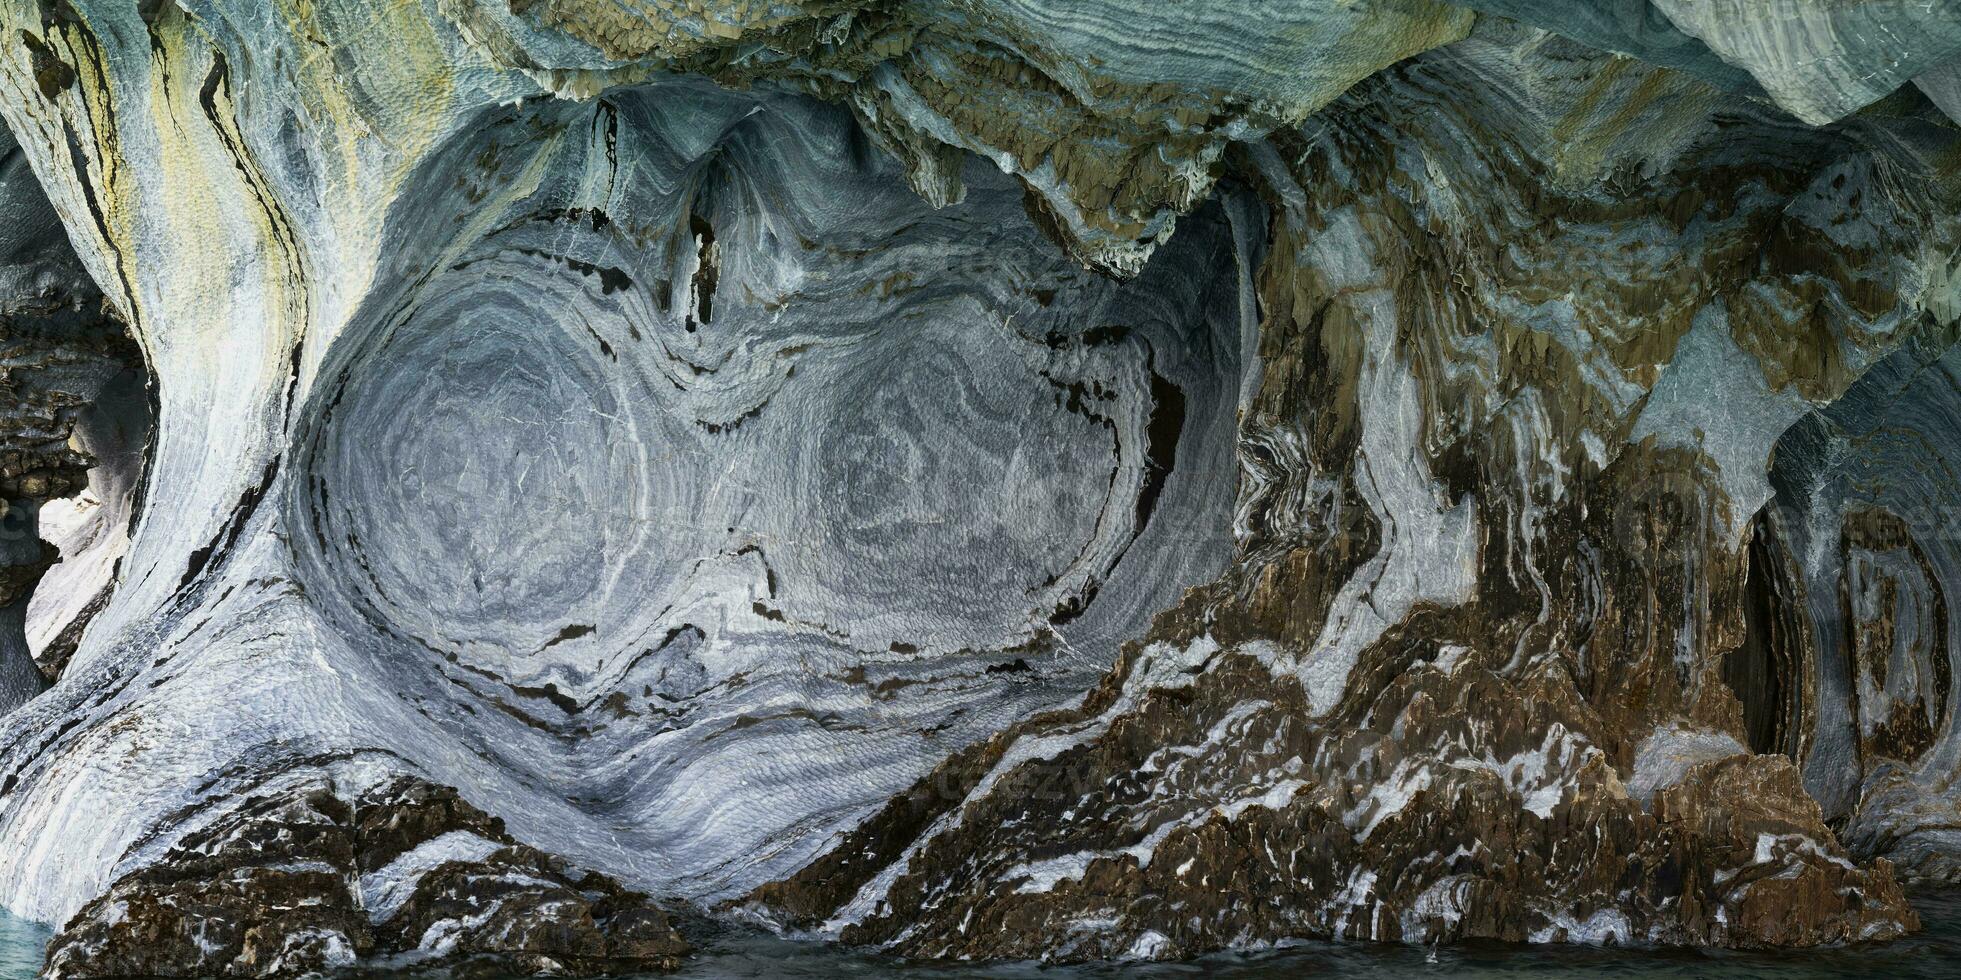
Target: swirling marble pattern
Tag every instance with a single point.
(689, 445)
(1482, 590)
(1864, 535)
(1063, 480)
(694, 473)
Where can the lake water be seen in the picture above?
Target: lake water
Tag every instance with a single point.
(20, 947)
(1933, 953)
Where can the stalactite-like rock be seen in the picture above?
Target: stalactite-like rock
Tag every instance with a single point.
(1818, 61)
(988, 479)
(1115, 116)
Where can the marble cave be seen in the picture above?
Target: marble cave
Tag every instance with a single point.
(516, 487)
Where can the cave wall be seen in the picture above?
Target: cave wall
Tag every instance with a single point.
(1864, 531)
(1519, 393)
(1144, 482)
(70, 380)
(683, 484)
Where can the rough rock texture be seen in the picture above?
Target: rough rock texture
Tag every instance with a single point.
(316, 875)
(681, 487)
(990, 478)
(1817, 61)
(1115, 119)
(1855, 674)
(60, 355)
(1477, 599)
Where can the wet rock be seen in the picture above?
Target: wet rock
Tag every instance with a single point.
(317, 878)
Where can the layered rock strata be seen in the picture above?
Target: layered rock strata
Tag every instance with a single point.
(68, 372)
(1853, 672)
(322, 875)
(1491, 535)
(981, 479)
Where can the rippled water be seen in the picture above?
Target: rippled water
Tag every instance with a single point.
(1934, 953)
(20, 947)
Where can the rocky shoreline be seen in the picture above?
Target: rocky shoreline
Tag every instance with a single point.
(491, 482)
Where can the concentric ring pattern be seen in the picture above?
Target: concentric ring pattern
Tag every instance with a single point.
(699, 438)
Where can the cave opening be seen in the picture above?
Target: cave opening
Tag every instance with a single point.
(76, 411)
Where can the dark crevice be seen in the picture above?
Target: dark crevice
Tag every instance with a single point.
(1161, 446)
(1765, 672)
(220, 546)
(705, 272)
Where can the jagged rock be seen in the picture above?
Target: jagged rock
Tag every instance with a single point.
(59, 354)
(314, 877)
(1116, 115)
(1455, 632)
(1818, 61)
(1823, 61)
(984, 478)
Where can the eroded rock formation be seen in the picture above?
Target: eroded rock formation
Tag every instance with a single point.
(315, 877)
(71, 382)
(990, 479)
(1458, 633)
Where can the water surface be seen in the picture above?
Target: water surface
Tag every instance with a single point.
(1933, 954)
(20, 947)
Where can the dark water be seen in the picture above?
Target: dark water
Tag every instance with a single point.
(1933, 953)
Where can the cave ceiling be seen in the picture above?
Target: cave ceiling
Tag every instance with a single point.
(974, 478)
